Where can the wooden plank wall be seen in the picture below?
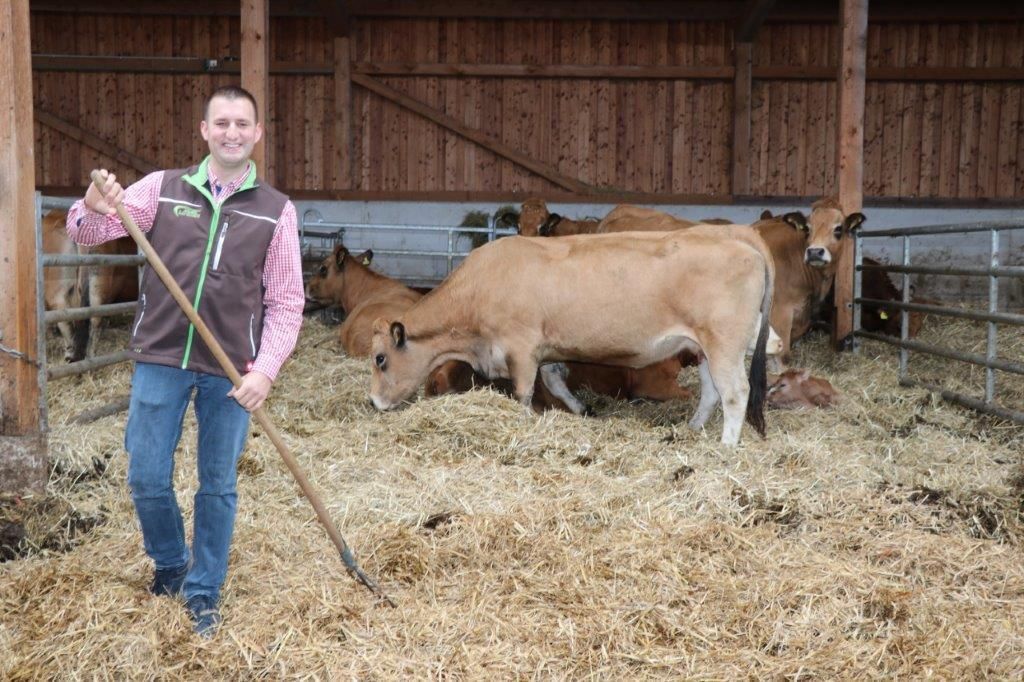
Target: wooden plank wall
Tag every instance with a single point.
(922, 139)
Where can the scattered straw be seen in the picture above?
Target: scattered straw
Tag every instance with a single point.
(878, 539)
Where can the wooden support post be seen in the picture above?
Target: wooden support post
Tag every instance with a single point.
(741, 120)
(23, 461)
(256, 75)
(850, 150)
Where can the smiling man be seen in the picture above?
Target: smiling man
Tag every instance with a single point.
(231, 242)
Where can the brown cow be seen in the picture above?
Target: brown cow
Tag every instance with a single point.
(108, 284)
(516, 304)
(365, 295)
(60, 283)
(348, 281)
(877, 318)
(803, 251)
(628, 218)
(796, 388)
(536, 221)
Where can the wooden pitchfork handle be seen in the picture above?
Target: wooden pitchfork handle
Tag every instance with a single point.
(261, 416)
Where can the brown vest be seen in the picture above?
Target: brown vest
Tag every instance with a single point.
(216, 254)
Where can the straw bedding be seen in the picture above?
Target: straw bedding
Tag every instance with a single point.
(881, 538)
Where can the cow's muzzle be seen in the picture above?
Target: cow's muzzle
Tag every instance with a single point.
(817, 256)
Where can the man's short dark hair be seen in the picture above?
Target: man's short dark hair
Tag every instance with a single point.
(231, 92)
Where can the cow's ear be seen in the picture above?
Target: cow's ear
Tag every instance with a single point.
(766, 215)
(548, 225)
(339, 256)
(398, 334)
(366, 257)
(853, 221)
(797, 220)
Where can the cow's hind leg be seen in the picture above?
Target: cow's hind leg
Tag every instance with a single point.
(728, 373)
(553, 375)
(523, 372)
(708, 397)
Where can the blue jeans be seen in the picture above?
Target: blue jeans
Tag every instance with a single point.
(160, 396)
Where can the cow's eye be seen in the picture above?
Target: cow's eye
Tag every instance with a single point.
(381, 361)
(322, 271)
(838, 232)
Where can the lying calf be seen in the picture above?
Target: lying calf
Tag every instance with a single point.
(797, 389)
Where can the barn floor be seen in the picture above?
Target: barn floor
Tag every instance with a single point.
(879, 539)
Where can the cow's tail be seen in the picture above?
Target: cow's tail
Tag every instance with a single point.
(759, 363)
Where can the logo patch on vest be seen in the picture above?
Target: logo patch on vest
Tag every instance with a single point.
(186, 211)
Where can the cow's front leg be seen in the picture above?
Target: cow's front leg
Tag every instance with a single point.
(554, 375)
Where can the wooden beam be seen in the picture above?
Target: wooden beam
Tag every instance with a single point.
(850, 151)
(635, 10)
(741, 119)
(96, 142)
(342, 176)
(546, 71)
(256, 75)
(895, 73)
(22, 443)
(472, 134)
(70, 63)
(751, 17)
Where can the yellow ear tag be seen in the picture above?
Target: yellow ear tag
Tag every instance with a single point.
(884, 315)
(366, 261)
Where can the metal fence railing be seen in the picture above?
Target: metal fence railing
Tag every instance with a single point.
(994, 271)
(446, 245)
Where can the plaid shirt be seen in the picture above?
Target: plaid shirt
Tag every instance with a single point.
(284, 296)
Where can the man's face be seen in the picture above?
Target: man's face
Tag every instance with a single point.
(231, 130)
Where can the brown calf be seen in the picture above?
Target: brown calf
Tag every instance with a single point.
(796, 388)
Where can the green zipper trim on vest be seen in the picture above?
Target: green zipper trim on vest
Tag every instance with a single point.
(199, 181)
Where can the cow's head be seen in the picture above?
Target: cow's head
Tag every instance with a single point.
(550, 226)
(400, 365)
(533, 214)
(328, 281)
(827, 231)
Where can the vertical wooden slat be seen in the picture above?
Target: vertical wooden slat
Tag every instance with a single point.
(967, 179)
(255, 23)
(988, 127)
(910, 125)
(741, 119)
(931, 131)
(22, 445)
(801, 57)
(493, 106)
(816, 130)
(892, 120)
(850, 144)
(1010, 126)
(605, 140)
(682, 163)
(342, 177)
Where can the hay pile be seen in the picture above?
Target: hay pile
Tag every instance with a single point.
(879, 539)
